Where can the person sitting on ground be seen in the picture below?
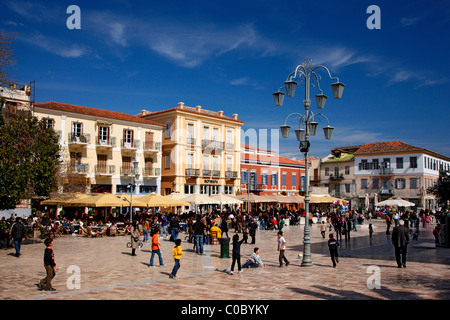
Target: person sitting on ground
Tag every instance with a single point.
(256, 262)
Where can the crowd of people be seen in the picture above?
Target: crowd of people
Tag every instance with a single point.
(203, 228)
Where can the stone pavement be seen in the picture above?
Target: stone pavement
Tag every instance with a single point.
(103, 269)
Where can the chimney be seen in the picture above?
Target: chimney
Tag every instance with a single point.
(181, 105)
(220, 113)
(235, 115)
(198, 108)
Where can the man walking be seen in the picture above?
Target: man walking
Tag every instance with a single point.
(18, 235)
(400, 239)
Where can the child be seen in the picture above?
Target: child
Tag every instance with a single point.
(282, 249)
(370, 230)
(333, 245)
(156, 248)
(416, 233)
(49, 265)
(257, 262)
(323, 229)
(236, 253)
(177, 253)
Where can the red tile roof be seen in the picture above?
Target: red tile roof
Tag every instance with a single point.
(101, 113)
(394, 147)
(387, 147)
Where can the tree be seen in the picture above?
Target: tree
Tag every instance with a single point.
(442, 189)
(7, 60)
(29, 159)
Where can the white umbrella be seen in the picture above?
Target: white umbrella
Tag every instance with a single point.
(404, 203)
(224, 199)
(388, 202)
(197, 199)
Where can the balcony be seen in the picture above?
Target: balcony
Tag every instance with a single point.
(337, 178)
(216, 173)
(82, 139)
(213, 145)
(81, 169)
(231, 174)
(125, 170)
(206, 173)
(108, 143)
(229, 146)
(151, 172)
(104, 170)
(129, 145)
(190, 172)
(386, 171)
(190, 141)
(151, 147)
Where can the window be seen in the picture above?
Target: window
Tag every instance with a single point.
(230, 144)
(168, 129)
(347, 188)
(264, 178)
(77, 129)
(347, 170)
(49, 123)
(294, 178)
(375, 183)
(229, 163)
(206, 133)
(167, 160)
(274, 179)
(284, 179)
(364, 165)
(399, 163)
(363, 183)
(128, 138)
(190, 134)
(376, 164)
(188, 189)
(400, 183)
(413, 162)
(386, 163)
(103, 134)
(228, 189)
(327, 171)
(205, 162)
(189, 160)
(336, 172)
(244, 177)
(413, 183)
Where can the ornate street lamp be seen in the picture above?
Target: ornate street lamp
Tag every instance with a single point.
(307, 72)
(134, 177)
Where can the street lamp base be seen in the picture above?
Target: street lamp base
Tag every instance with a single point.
(306, 264)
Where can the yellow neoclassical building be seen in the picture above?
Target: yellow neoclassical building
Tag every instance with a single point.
(200, 150)
(98, 147)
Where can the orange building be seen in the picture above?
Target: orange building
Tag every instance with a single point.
(200, 150)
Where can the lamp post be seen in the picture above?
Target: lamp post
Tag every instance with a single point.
(134, 176)
(307, 72)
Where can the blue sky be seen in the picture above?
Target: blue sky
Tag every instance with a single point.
(232, 55)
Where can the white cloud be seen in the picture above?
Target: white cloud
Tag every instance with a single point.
(56, 46)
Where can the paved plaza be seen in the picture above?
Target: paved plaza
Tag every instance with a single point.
(103, 269)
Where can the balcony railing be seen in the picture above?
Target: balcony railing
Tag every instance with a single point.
(212, 144)
(82, 168)
(190, 141)
(190, 172)
(216, 173)
(82, 139)
(105, 143)
(125, 170)
(151, 172)
(152, 146)
(206, 173)
(105, 169)
(231, 174)
(133, 144)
